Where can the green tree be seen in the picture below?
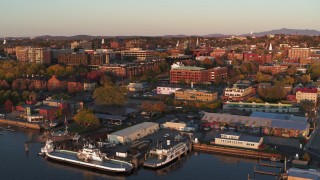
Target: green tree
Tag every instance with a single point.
(109, 95)
(86, 118)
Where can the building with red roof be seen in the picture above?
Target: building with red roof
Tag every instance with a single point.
(306, 94)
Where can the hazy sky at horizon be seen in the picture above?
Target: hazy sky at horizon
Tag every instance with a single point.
(154, 17)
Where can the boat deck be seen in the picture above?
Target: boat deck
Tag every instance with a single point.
(107, 163)
(154, 160)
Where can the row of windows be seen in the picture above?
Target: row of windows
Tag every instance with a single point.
(236, 142)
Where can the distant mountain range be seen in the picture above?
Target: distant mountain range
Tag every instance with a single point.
(88, 37)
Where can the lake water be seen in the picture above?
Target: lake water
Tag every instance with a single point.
(16, 164)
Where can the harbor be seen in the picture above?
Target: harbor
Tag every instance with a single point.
(189, 167)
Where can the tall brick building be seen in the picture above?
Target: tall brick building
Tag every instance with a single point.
(74, 59)
(188, 74)
(218, 74)
(299, 53)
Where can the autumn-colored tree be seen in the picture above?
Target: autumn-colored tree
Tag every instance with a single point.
(8, 106)
(95, 75)
(86, 118)
(57, 70)
(15, 85)
(33, 96)
(105, 80)
(207, 63)
(153, 107)
(109, 95)
(23, 86)
(159, 106)
(4, 85)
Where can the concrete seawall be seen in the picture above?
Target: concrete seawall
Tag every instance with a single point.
(20, 124)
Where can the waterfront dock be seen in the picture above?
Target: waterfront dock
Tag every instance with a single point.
(235, 152)
(20, 124)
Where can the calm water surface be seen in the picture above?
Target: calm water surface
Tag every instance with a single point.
(16, 164)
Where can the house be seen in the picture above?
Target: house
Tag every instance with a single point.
(75, 84)
(49, 112)
(89, 85)
(307, 94)
(57, 83)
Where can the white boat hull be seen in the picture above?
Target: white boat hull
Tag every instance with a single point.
(92, 164)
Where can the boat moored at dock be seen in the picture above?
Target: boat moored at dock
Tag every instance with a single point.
(89, 157)
(162, 156)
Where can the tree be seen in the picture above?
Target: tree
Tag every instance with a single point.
(86, 118)
(207, 63)
(4, 85)
(109, 95)
(8, 106)
(105, 80)
(182, 81)
(57, 70)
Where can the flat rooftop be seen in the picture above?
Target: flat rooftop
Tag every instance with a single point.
(189, 68)
(260, 120)
(133, 129)
(242, 137)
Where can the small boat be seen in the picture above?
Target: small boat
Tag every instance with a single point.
(162, 156)
(26, 148)
(89, 157)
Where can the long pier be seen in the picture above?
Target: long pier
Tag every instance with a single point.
(20, 124)
(235, 151)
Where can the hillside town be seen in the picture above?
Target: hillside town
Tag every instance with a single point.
(250, 96)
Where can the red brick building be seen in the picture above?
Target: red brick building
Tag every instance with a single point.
(74, 59)
(127, 71)
(299, 53)
(218, 52)
(189, 74)
(75, 85)
(235, 56)
(97, 59)
(57, 83)
(218, 74)
(49, 112)
(275, 69)
(257, 58)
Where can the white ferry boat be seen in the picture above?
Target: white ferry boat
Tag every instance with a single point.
(89, 157)
(161, 156)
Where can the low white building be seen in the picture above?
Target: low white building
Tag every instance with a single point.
(35, 118)
(167, 90)
(133, 133)
(238, 140)
(139, 86)
(180, 126)
(89, 86)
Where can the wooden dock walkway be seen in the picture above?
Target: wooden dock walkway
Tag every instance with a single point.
(235, 151)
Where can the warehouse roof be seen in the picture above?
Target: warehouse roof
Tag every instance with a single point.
(278, 116)
(265, 120)
(133, 129)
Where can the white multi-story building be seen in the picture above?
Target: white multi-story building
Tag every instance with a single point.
(237, 92)
(138, 53)
(307, 94)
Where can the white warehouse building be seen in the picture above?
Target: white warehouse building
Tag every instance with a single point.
(133, 133)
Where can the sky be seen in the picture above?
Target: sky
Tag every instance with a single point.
(154, 17)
